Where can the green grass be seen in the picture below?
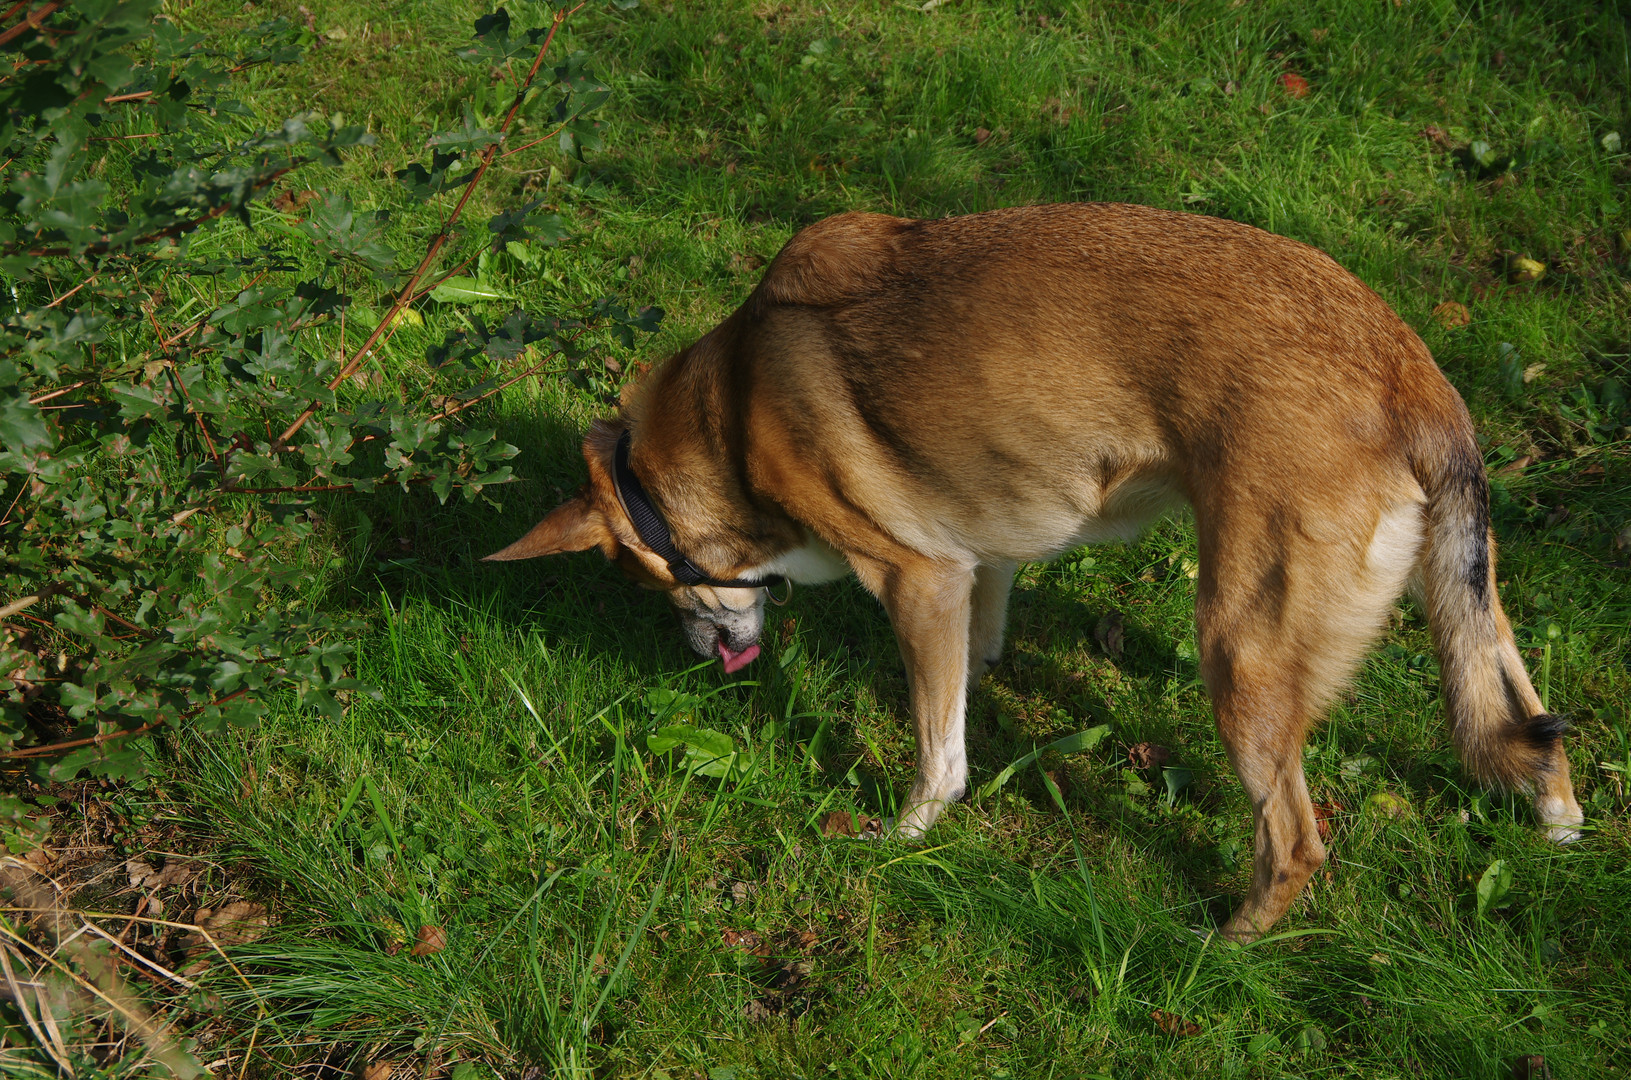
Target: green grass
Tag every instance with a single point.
(607, 910)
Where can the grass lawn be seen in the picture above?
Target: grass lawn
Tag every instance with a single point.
(608, 910)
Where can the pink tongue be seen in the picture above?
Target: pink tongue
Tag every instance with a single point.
(736, 661)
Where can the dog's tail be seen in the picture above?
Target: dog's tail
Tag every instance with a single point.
(1503, 732)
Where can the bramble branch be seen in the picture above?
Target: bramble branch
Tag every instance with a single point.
(387, 325)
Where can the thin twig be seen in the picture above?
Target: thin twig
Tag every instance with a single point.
(70, 292)
(58, 393)
(107, 737)
(164, 971)
(387, 325)
(17, 605)
(177, 229)
(31, 21)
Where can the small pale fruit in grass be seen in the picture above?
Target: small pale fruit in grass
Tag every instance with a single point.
(1521, 269)
(1387, 804)
(407, 317)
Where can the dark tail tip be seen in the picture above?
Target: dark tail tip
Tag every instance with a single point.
(1543, 731)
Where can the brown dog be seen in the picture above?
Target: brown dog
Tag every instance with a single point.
(929, 403)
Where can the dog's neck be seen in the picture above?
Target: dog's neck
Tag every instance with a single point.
(689, 450)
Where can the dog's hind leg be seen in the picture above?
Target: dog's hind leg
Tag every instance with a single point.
(929, 604)
(992, 583)
(1285, 607)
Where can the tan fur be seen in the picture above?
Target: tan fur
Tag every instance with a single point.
(938, 401)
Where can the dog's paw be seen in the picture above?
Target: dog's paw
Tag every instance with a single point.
(1562, 835)
(902, 830)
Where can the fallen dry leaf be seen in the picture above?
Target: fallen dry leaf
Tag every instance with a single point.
(1438, 135)
(838, 823)
(981, 134)
(1451, 315)
(1516, 467)
(1294, 84)
(1111, 634)
(378, 1070)
(1324, 811)
(1173, 1024)
(431, 939)
(292, 202)
(237, 923)
(140, 872)
(1148, 755)
(742, 939)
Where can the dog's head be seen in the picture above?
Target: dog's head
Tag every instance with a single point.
(718, 621)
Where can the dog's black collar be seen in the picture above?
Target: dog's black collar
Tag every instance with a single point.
(653, 530)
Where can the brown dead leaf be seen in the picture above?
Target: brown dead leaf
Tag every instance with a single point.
(378, 1070)
(804, 940)
(1173, 1024)
(140, 872)
(871, 828)
(1516, 467)
(1324, 811)
(1111, 634)
(746, 940)
(237, 923)
(1451, 315)
(1438, 136)
(1148, 755)
(981, 134)
(746, 262)
(176, 872)
(292, 202)
(838, 823)
(431, 939)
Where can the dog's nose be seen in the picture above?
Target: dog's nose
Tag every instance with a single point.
(736, 642)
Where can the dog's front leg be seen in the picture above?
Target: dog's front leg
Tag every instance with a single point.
(992, 583)
(928, 603)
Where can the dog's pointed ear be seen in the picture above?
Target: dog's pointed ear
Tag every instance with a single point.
(575, 525)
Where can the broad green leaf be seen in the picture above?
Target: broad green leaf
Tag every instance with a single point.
(465, 290)
(1494, 886)
(1070, 744)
